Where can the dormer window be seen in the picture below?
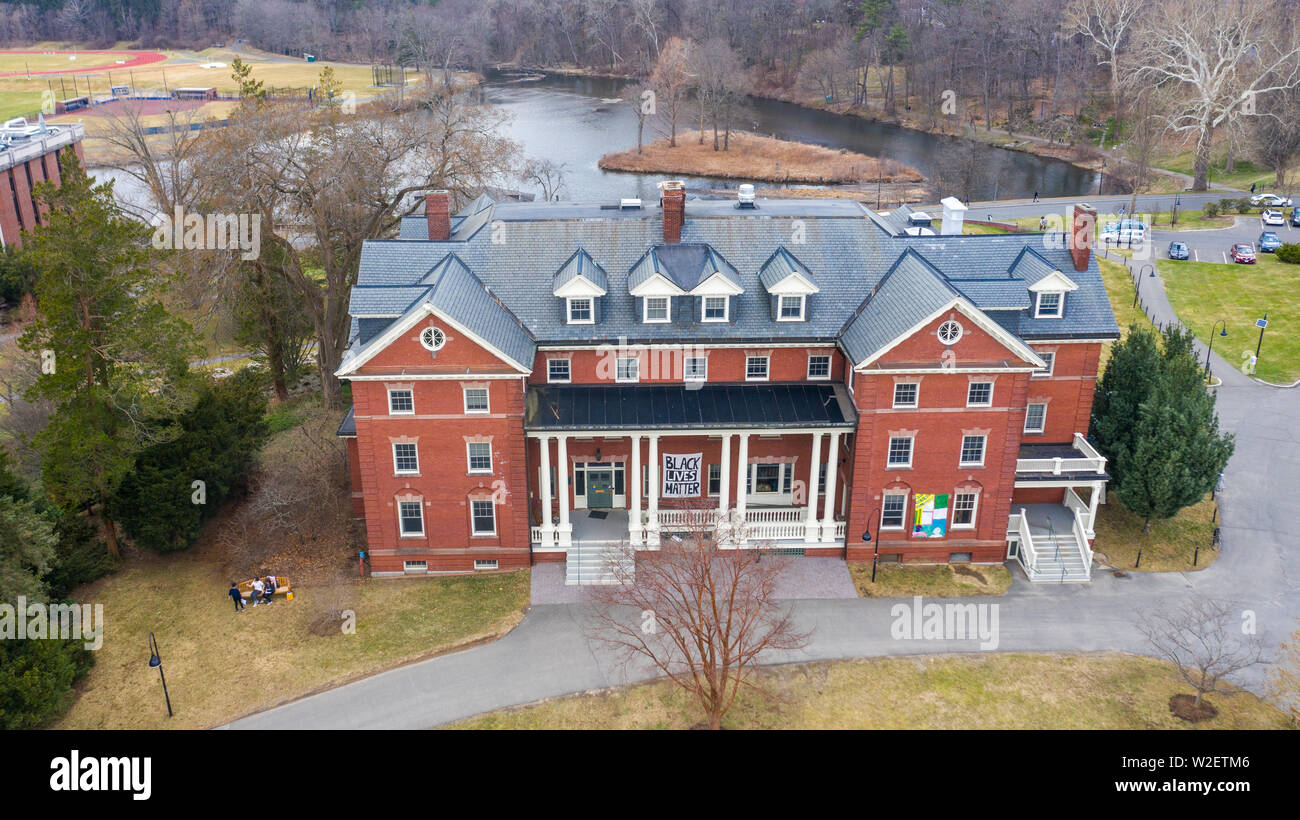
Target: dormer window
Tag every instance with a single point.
(657, 309)
(715, 308)
(1050, 305)
(580, 312)
(791, 308)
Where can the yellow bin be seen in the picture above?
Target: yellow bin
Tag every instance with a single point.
(288, 596)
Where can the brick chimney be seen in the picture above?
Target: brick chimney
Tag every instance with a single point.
(437, 213)
(1083, 235)
(673, 201)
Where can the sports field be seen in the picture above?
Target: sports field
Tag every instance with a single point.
(21, 62)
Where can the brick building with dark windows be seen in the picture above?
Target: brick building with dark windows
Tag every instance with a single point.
(538, 381)
(29, 155)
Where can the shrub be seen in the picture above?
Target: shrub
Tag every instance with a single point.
(1244, 206)
(1210, 209)
(36, 678)
(1290, 253)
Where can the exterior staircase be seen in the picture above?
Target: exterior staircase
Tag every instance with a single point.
(1050, 556)
(597, 563)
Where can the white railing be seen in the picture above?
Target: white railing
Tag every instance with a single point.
(1081, 444)
(1078, 505)
(1081, 536)
(760, 524)
(1025, 552)
(775, 515)
(535, 535)
(1091, 461)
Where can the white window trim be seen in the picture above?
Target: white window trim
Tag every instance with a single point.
(476, 533)
(1060, 305)
(1051, 368)
(591, 309)
(971, 384)
(393, 412)
(829, 362)
(891, 528)
(400, 533)
(974, 510)
(668, 310)
(686, 376)
(1042, 404)
(420, 566)
(708, 479)
(469, 455)
(767, 369)
(396, 471)
(487, 564)
(984, 447)
(726, 308)
(550, 379)
(618, 369)
(780, 307)
(916, 402)
(465, 396)
(911, 453)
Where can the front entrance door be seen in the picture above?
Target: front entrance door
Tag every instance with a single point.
(600, 488)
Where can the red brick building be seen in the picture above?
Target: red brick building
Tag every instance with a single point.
(29, 154)
(537, 381)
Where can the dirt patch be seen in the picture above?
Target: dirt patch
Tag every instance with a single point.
(969, 572)
(1184, 707)
(141, 107)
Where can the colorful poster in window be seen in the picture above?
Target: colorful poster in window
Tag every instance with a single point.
(682, 475)
(931, 519)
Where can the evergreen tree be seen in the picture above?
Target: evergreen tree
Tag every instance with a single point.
(1131, 373)
(36, 678)
(27, 550)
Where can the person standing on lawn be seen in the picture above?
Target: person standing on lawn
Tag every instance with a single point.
(239, 599)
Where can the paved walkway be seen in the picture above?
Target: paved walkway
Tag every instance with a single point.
(549, 654)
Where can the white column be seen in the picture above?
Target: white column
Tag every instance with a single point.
(562, 486)
(832, 468)
(548, 529)
(742, 476)
(635, 530)
(1098, 488)
(811, 530)
(652, 500)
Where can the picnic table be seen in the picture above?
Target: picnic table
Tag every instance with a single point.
(282, 588)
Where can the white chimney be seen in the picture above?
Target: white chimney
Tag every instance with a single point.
(745, 195)
(954, 213)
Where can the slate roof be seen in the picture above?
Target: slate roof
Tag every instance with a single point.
(581, 264)
(779, 266)
(911, 291)
(685, 264)
(846, 249)
(659, 406)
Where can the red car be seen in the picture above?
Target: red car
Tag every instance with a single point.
(1243, 254)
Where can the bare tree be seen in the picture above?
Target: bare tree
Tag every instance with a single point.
(1109, 25)
(672, 82)
(548, 175)
(703, 612)
(159, 162)
(1284, 679)
(1273, 137)
(1204, 641)
(1217, 60)
(641, 99)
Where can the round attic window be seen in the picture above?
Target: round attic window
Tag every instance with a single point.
(433, 338)
(949, 332)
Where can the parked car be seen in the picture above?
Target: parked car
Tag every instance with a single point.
(1270, 201)
(1124, 232)
(1295, 217)
(1269, 242)
(1243, 254)
(1272, 218)
(1178, 250)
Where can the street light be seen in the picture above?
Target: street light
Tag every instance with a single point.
(155, 662)
(866, 536)
(1223, 332)
(1137, 286)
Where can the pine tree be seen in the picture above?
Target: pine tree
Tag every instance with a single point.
(1131, 373)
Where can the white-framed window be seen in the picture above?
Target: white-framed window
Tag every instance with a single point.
(580, 310)
(893, 511)
(1051, 303)
(770, 479)
(559, 370)
(627, 370)
(906, 394)
(900, 451)
(715, 479)
(819, 366)
(696, 369)
(1049, 359)
(432, 338)
(756, 368)
(483, 517)
(979, 394)
(790, 309)
(415, 566)
(950, 332)
(1036, 417)
(410, 516)
(406, 461)
(480, 564)
(479, 455)
(963, 510)
(715, 308)
(476, 400)
(657, 309)
(972, 451)
(401, 402)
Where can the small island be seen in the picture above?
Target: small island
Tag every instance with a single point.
(762, 159)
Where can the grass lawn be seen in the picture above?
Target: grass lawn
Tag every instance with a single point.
(221, 665)
(993, 691)
(1204, 292)
(1169, 547)
(1119, 288)
(930, 581)
(1243, 176)
(971, 229)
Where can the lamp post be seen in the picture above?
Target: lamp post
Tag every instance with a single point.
(1137, 286)
(866, 536)
(1261, 324)
(1223, 332)
(155, 662)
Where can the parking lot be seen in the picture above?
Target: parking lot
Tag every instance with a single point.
(1214, 245)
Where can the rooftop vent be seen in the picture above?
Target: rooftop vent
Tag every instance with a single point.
(629, 204)
(745, 197)
(919, 219)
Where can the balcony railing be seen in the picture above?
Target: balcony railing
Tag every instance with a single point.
(761, 524)
(1088, 461)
